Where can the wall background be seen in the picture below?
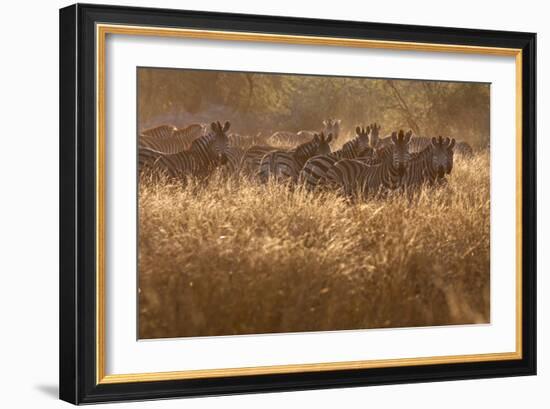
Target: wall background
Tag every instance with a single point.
(29, 202)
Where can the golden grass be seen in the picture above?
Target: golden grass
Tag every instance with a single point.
(233, 257)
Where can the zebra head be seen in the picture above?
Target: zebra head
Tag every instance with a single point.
(442, 155)
(362, 136)
(400, 150)
(332, 127)
(374, 135)
(323, 147)
(219, 141)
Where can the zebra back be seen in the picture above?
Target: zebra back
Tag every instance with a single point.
(287, 165)
(252, 157)
(146, 159)
(278, 165)
(283, 138)
(233, 157)
(180, 139)
(313, 173)
(159, 132)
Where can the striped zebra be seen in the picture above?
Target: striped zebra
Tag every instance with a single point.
(246, 141)
(355, 178)
(283, 138)
(180, 139)
(330, 126)
(233, 158)
(464, 150)
(313, 174)
(282, 165)
(419, 143)
(431, 164)
(252, 157)
(206, 153)
(146, 159)
(159, 132)
(286, 138)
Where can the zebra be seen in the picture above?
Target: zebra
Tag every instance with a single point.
(354, 177)
(464, 150)
(252, 157)
(159, 132)
(282, 138)
(419, 143)
(245, 141)
(180, 139)
(375, 141)
(314, 172)
(286, 138)
(206, 153)
(233, 158)
(146, 159)
(329, 127)
(431, 164)
(287, 165)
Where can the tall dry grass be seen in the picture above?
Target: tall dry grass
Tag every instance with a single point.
(234, 257)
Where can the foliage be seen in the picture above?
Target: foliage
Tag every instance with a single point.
(257, 102)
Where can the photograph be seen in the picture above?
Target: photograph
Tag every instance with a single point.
(252, 201)
(282, 202)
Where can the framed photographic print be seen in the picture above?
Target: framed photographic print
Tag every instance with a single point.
(257, 203)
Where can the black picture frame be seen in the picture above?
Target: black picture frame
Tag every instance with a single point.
(78, 360)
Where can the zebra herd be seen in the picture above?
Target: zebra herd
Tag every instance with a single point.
(365, 166)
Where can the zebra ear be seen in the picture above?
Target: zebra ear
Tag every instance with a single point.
(358, 130)
(408, 136)
(325, 122)
(213, 125)
(394, 137)
(329, 138)
(316, 138)
(434, 141)
(226, 126)
(452, 144)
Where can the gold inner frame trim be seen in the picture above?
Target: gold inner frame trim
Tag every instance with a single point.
(101, 33)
